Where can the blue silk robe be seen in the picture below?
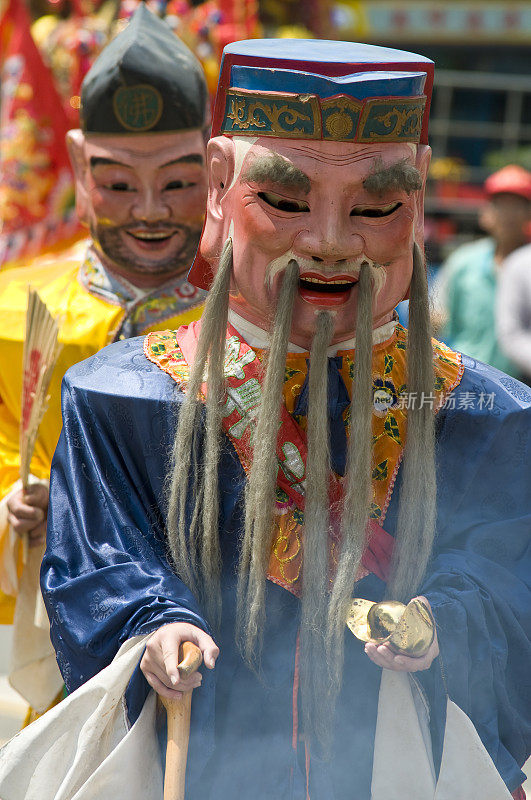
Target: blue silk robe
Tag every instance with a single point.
(105, 578)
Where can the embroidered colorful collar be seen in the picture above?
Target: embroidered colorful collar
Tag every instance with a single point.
(143, 308)
(173, 351)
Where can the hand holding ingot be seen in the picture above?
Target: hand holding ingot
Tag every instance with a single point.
(407, 630)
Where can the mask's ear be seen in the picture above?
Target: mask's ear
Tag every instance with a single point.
(220, 160)
(220, 166)
(75, 141)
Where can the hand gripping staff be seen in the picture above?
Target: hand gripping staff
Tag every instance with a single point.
(178, 716)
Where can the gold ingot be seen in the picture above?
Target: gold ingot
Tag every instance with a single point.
(415, 631)
(357, 619)
(406, 629)
(383, 618)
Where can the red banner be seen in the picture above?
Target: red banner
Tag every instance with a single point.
(36, 182)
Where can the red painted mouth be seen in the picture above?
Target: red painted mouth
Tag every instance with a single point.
(329, 291)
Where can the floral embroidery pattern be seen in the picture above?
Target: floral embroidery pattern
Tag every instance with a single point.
(162, 349)
(163, 305)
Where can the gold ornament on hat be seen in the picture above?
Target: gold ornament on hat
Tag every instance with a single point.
(340, 117)
(406, 629)
(307, 116)
(138, 108)
(339, 125)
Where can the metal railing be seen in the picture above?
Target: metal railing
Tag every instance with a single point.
(507, 130)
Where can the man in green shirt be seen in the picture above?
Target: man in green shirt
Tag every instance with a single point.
(467, 285)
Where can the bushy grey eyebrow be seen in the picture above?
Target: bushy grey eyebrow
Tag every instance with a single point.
(275, 169)
(385, 177)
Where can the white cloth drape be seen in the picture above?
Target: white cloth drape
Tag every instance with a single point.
(403, 766)
(83, 749)
(33, 670)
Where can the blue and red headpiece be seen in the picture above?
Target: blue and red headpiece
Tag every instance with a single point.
(341, 91)
(317, 89)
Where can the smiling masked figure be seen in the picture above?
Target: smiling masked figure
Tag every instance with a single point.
(320, 452)
(139, 160)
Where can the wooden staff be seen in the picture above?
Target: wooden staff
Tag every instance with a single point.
(178, 717)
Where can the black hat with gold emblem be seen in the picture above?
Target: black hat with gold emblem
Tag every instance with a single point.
(145, 81)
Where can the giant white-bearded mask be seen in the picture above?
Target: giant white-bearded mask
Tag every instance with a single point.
(313, 232)
(330, 206)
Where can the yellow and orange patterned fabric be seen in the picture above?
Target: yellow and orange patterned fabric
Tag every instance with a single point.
(173, 351)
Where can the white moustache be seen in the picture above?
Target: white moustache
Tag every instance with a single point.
(348, 268)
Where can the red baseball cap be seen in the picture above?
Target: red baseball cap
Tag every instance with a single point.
(510, 180)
